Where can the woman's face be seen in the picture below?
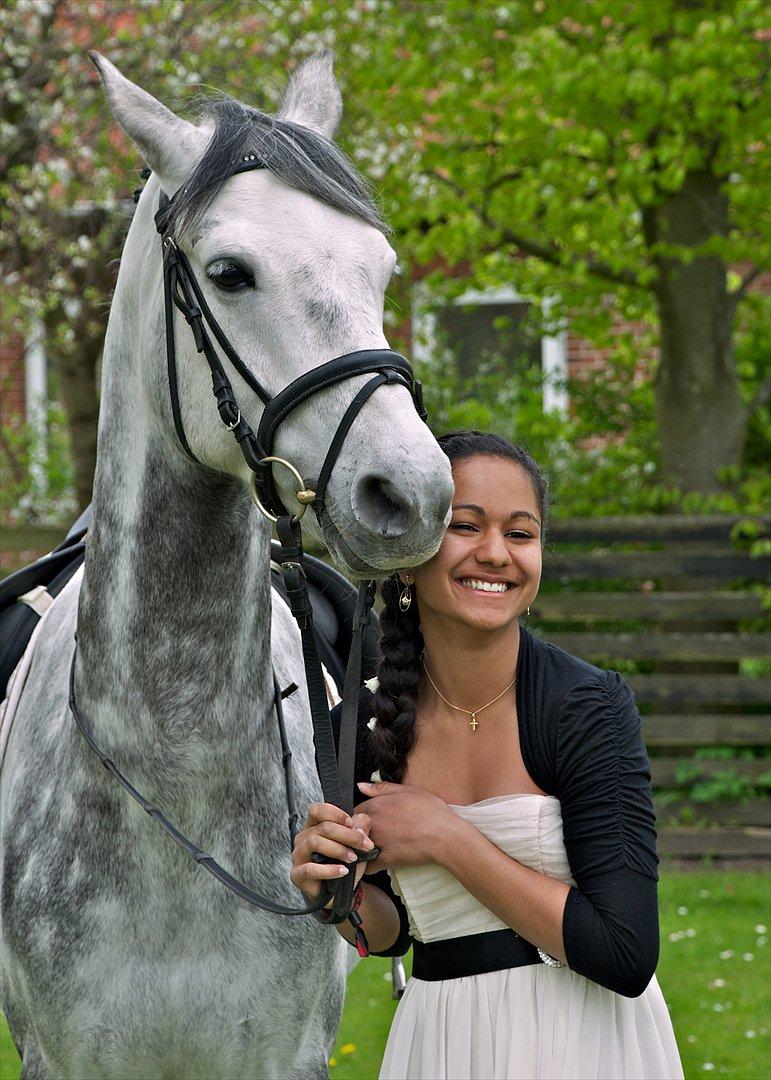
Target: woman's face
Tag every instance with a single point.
(488, 568)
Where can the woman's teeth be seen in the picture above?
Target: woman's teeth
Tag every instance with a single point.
(483, 586)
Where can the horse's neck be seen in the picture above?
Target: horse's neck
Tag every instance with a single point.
(174, 618)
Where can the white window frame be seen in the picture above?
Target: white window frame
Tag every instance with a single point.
(554, 357)
(36, 399)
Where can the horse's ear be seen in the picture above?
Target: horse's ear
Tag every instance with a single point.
(312, 97)
(171, 147)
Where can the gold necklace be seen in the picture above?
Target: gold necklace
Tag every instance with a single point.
(473, 723)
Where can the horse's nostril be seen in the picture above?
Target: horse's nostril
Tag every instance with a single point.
(380, 505)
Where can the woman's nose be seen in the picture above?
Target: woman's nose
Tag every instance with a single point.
(493, 550)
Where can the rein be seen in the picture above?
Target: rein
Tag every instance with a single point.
(335, 769)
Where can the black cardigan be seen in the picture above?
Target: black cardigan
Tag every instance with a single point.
(580, 738)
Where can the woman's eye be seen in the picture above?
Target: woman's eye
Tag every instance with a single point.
(465, 525)
(229, 276)
(519, 534)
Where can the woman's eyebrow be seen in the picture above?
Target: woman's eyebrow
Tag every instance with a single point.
(480, 511)
(469, 506)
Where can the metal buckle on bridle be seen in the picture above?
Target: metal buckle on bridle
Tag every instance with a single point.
(305, 496)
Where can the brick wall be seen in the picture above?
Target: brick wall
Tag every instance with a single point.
(12, 380)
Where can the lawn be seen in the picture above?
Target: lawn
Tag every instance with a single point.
(714, 971)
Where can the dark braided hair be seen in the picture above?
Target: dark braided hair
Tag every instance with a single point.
(401, 642)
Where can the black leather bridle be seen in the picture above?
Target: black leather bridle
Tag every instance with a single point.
(335, 769)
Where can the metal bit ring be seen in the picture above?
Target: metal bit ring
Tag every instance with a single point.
(305, 496)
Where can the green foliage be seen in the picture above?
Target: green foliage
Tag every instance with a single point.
(725, 784)
(36, 483)
(617, 473)
(526, 143)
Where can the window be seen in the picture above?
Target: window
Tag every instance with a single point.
(489, 331)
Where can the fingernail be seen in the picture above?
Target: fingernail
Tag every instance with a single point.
(348, 822)
(351, 857)
(368, 844)
(342, 870)
(364, 783)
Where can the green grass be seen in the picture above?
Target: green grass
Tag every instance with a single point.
(715, 1000)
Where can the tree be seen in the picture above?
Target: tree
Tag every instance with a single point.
(66, 173)
(607, 157)
(611, 156)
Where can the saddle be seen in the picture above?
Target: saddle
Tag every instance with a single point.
(26, 594)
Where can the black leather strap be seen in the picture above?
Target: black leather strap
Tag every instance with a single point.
(350, 707)
(299, 602)
(455, 958)
(353, 410)
(249, 378)
(361, 362)
(169, 285)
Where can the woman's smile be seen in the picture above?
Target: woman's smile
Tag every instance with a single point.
(485, 586)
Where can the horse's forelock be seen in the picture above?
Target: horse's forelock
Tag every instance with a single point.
(298, 156)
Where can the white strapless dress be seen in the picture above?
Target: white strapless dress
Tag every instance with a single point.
(526, 1023)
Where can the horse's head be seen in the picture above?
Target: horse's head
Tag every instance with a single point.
(293, 262)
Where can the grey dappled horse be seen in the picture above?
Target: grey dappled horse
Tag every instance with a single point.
(121, 957)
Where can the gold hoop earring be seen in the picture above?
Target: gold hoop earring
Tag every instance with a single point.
(405, 597)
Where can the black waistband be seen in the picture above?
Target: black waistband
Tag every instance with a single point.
(454, 958)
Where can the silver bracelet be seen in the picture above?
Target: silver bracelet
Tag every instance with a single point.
(550, 961)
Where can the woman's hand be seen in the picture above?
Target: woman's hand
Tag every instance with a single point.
(408, 823)
(330, 831)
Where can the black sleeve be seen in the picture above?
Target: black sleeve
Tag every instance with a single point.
(610, 922)
(363, 771)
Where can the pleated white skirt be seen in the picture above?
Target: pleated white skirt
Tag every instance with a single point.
(529, 1023)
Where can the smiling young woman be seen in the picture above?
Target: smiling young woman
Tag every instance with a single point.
(513, 811)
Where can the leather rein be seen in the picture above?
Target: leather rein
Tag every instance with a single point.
(335, 769)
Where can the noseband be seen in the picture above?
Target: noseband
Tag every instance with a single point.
(335, 768)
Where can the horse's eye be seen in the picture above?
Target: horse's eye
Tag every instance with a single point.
(229, 276)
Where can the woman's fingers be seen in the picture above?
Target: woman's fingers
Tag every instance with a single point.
(355, 837)
(307, 876)
(331, 832)
(362, 822)
(330, 839)
(315, 842)
(319, 812)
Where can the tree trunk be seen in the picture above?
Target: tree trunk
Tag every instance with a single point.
(76, 371)
(702, 420)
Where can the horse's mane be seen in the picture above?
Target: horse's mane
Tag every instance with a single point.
(298, 156)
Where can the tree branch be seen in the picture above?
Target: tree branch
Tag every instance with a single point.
(548, 253)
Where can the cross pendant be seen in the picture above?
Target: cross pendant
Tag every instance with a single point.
(473, 722)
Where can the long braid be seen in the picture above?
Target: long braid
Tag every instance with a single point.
(401, 641)
(401, 647)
